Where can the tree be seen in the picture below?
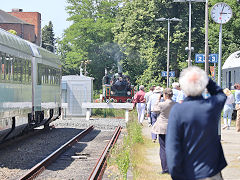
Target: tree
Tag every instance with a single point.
(144, 41)
(230, 34)
(48, 40)
(12, 31)
(89, 36)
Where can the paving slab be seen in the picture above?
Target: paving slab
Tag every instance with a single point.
(231, 147)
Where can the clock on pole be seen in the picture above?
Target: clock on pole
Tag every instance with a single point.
(221, 13)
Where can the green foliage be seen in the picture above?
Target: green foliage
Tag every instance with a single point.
(48, 40)
(108, 113)
(144, 40)
(120, 155)
(127, 31)
(12, 31)
(230, 33)
(89, 37)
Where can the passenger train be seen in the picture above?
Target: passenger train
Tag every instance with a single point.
(30, 79)
(231, 70)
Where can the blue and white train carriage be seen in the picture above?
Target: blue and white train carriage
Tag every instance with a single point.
(30, 93)
(231, 70)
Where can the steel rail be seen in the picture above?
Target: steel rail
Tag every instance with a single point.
(41, 166)
(100, 166)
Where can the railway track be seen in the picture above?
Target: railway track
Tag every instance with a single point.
(99, 168)
(108, 138)
(37, 169)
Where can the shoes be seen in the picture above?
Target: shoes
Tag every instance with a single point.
(224, 127)
(154, 140)
(149, 125)
(164, 172)
(141, 124)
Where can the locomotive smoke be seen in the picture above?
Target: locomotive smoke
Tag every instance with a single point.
(113, 50)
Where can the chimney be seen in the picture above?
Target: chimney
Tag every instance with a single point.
(17, 10)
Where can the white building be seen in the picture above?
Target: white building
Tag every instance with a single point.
(75, 90)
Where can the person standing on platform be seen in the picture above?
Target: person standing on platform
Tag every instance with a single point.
(181, 96)
(228, 109)
(160, 127)
(193, 147)
(153, 99)
(139, 100)
(147, 96)
(237, 106)
(176, 90)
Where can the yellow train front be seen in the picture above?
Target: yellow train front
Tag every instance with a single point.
(117, 88)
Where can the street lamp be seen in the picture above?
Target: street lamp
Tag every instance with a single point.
(168, 20)
(85, 62)
(190, 27)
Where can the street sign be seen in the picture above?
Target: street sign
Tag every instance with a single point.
(200, 58)
(171, 73)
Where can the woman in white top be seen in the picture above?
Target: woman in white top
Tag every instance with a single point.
(228, 108)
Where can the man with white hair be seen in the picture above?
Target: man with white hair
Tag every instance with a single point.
(139, 100)
(193, 147)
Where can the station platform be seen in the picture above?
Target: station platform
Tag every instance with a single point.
(231, 147)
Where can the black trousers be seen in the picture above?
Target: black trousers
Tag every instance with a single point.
(162, 152)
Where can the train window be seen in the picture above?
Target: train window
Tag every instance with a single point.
(51, 76)
(234, 77)
(229, 80)
(7, 68)
(46, 74)
(39, 82)
(27, 78)
(3, 67)
(29, 71)
(23, 70)
(19, 70)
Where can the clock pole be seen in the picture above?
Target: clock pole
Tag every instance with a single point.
(220, 55)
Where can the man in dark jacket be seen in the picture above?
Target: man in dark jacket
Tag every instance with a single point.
(193, 147)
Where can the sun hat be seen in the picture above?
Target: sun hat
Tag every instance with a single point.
(158, 89)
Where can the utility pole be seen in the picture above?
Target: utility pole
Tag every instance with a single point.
(189, 35)
(206, 39)
(168, 42)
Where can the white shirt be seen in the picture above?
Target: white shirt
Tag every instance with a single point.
(230, 99)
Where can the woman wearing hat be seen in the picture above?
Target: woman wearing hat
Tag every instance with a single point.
(160, 127)
(153, 99)
(228, 108)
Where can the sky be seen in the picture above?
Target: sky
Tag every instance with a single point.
(51, 10)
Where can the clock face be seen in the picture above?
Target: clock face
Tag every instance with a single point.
(221, 13)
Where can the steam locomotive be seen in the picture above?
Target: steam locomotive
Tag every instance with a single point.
(117, 88)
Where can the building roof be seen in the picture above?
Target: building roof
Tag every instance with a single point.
(8, 18)
(76, 78)
(232, 61)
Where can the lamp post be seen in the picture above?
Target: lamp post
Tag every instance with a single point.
(85, 62)
(189, 27)
(168, 43)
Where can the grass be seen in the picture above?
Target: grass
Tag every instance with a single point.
(135, 156)
(118, 113)
(146, 166)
